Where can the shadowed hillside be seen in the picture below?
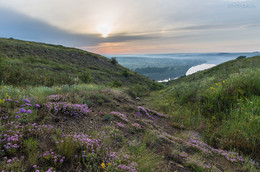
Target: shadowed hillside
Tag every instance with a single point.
(30, 63)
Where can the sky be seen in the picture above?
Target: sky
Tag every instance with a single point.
(136, 26)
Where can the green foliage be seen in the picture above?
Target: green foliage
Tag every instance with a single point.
(30, 148)
(85, 77)
(1, 69)
(108, 117)
(138, 91)
(146, 159)
(114, 61)
(117, 84)
(242, 128)
(150, 139)
(100, 98)
(25, 118)
(87, 102)
(126, 73)
(240, 57)
(39, 64)
(221, 102)
(156, 86)
(67, 146)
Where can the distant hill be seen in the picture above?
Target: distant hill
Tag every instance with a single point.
(222, 71)
(31, 63)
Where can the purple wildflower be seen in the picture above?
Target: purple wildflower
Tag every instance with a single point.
(17, 116)
(119, 124)
(120, 115)
(37, 105)
(75, 110)
(137, 126)
(27, 101)
(29, 111)
(22, 110)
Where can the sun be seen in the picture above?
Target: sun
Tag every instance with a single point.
(104, 29)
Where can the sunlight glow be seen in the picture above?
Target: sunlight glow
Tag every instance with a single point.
(104, 30)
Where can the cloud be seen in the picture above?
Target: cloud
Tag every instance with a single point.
(20, 26)
(141, 24)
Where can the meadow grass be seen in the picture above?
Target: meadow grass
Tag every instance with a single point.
(28, 146)
(224, 108)
(28, 63)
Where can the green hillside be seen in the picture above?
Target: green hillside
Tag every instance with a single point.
(64, 109)
(222, 103)
(30, 63)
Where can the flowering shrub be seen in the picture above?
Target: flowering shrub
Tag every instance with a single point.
(13, 141)
(55, 98)
(71, 147)
(54, 158)
(119, 124)
(69, 143)
(194, 142)
(120, 116)
(75, 110)
(131, 167)
(120, 162)
(137, 126)
(150, 113)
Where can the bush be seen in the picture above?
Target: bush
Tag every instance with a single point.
(240, 57)
(117, 84)
(85, 77)
(1, 69)
(156, 86)
(138, 91)
(30, 148)
(126, 73)
(114, 61)
(108, 117)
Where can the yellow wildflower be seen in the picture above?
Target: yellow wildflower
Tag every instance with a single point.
(216, 84)
(213, 117)
(212, 88)
(103, 165)
(224, 82)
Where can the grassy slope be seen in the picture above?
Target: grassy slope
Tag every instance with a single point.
(222, 71)
(222, 103)
(30, 63)
(127, 138)
(131, 137)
